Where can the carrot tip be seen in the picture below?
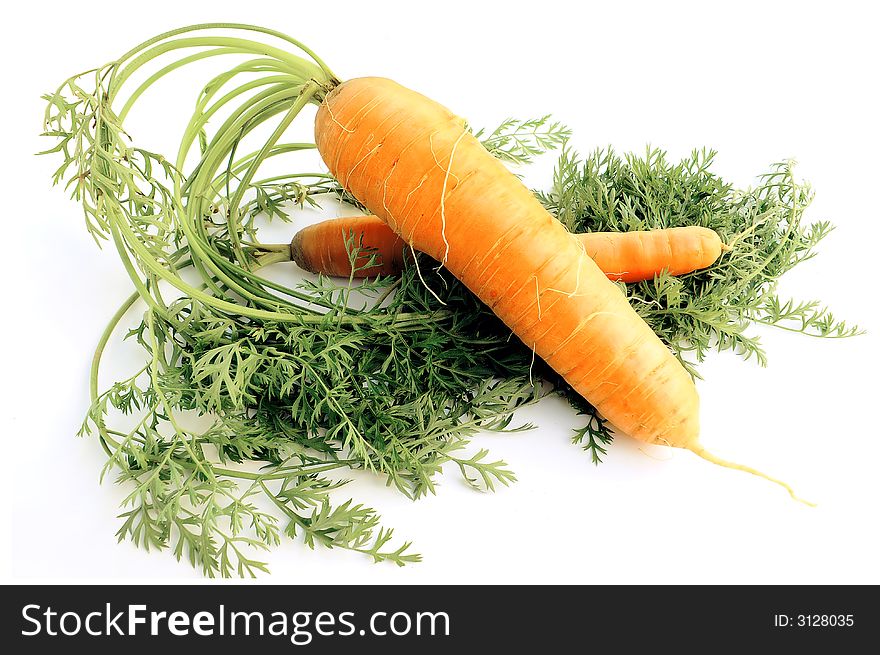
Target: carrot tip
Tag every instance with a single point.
(702, 452)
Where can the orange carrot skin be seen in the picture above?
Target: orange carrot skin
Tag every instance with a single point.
(640, 255)
(413, 163)
(626, 256)
(322, 247)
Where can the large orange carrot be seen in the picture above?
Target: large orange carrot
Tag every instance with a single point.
(414, 164)
(626, 256)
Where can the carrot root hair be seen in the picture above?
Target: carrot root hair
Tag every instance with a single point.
(333, 118)
(705, 454)
(421, 278)
(447, 172)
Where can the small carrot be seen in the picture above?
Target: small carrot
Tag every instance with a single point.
(625, 256)
(640, 255)
(324, 247)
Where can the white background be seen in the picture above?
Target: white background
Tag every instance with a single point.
(758, 81)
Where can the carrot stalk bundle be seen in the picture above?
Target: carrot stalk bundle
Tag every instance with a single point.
(623, 256)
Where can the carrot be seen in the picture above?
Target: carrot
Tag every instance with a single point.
(625, 256)
(640, 255)
(324, 247)
(414, 164)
